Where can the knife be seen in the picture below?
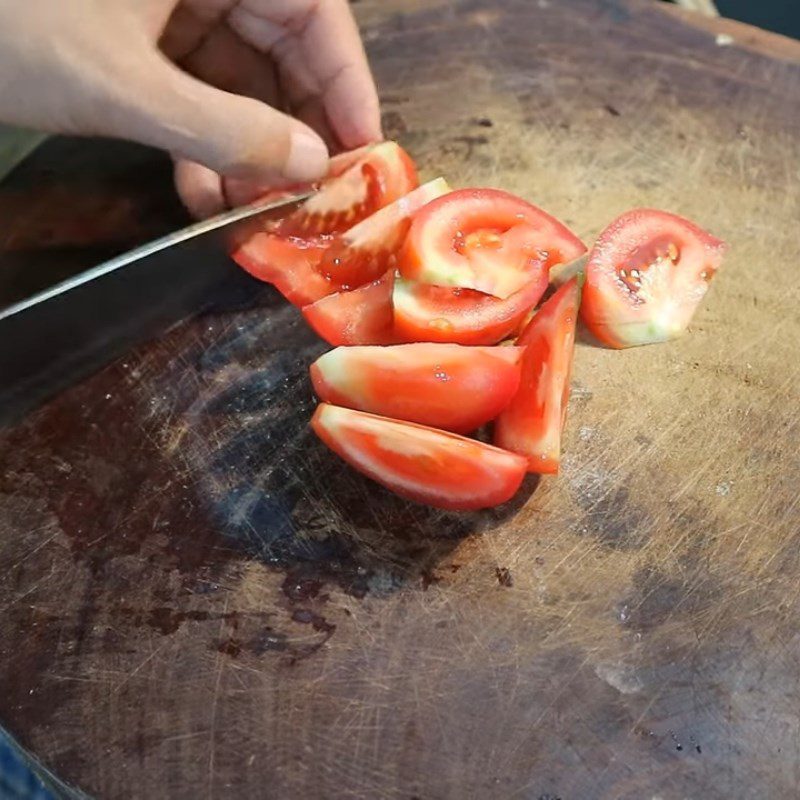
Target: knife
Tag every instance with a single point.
(51, 339)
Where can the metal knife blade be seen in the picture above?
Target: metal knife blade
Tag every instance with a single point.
(58, 335)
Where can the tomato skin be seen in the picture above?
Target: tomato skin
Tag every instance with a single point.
(484, 239)
(441, 385)
(419, 463)
(424, 313)
(631, 297)
(368, 249)
(289, 263)
(362, 316)
(531, 424)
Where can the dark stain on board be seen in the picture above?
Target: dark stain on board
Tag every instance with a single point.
(612, 517)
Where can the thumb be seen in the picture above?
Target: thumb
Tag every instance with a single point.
(237, 136)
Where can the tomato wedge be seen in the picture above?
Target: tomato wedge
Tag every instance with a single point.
(369, 248)
(531, 425)
(361, 316)
(383, 173)
(645, 277)
(424, 313)
(419, 463)
(484, 239)
(442, 385)
(287, 262)
(238, 192)
(288, 252)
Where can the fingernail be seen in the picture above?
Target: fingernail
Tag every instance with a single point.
(308, 157)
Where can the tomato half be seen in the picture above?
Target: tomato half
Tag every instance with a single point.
(442, 385)
(419, 463)
(361, 316)
(531, 425)
(484, 239)
(645, 277)
(424, 313)
(368, 249)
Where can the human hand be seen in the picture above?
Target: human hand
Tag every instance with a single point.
(202, 79)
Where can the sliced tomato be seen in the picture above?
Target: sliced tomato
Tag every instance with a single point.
(484, 239)
(239, 192)
(368, 249)
(289, 263)
(424, 313)
(383, 173)
(442, 385)
(361, 316)
(645, 277)
(288, 252)
(341, 162)
(419, 463)
(531, 425)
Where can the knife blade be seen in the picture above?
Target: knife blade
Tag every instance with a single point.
(61, 334)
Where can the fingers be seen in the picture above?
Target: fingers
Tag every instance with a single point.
(233, 135)
(319, 52)
(199, 188)
(335, 53)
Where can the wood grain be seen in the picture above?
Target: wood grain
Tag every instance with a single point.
(198, 601)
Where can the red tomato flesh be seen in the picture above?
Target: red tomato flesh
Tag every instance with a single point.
(369, 248)
(424, 313)
(531, 425)
(646, 276)
(442, 385)
(383, 173)
(484, 239)
(361, 316)
(238, 192)
(288, 252)
(287, 262)
(419, 463)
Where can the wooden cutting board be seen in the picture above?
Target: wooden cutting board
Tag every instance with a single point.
(199, 601)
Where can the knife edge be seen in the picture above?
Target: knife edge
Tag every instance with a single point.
(247, 217)
(61, 335)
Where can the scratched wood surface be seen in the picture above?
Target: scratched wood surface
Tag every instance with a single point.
(197, 600)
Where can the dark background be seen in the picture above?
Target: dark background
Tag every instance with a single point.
(775, 15)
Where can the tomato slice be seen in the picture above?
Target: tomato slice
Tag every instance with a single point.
(383, 173)
(420, 463)
(484, 239)
(369, 248)
(424, 313)
(341, 162)
(238, 192)
(288, 252)
(531, 424)
(645, 277)
(361, 316)
(442, 385)
(287, 262)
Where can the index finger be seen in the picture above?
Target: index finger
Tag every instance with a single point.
(319, 52)
(335, 55)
